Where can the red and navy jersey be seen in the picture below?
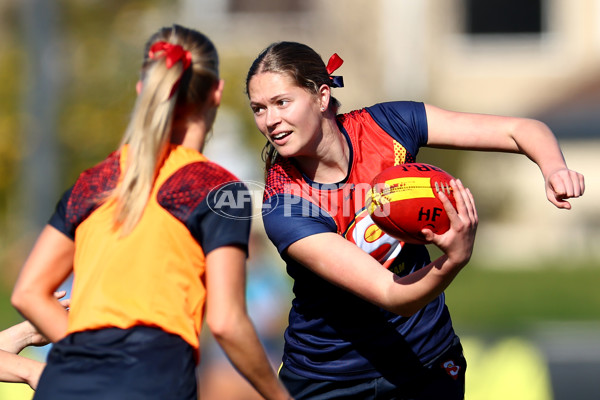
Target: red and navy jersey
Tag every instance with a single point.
(332, 334)
(153, 276)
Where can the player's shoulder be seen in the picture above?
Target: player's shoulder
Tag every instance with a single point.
(194, 168)
(207, 173)
(280, 176)
(383, 108)
(194, 181)
(195, 187)
(90, 189)
(100, 177)
(397, 105)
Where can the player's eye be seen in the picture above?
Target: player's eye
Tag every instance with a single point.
(257, 110)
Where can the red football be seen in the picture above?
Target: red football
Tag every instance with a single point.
(404, 199)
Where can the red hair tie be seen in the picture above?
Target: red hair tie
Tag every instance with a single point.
(172, 54)
(334, 63)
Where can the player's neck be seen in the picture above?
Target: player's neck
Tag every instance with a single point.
(332, 158)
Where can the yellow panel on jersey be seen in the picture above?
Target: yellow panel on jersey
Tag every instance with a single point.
(153, 276)
(399, 153)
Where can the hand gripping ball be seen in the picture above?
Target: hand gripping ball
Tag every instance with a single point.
(404, 199)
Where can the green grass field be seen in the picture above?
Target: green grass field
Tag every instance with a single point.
(497, 301)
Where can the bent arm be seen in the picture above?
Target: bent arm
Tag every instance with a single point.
(48, 265)
(23, 334)
(228, 320)
(18, 369)
(533, 138)
(357, 272)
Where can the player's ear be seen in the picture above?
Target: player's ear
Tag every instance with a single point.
(218, 92)
(138, 87)
(324, 96)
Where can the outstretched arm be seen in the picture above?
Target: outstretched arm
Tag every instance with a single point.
(18, 369)
(19, 336)
(449, 129)
(228, 320)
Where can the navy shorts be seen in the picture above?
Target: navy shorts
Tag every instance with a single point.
(119, 364)
(442, 378)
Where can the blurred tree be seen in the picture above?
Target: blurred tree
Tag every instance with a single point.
(11, 60)
(103, 45)
(68, 69)
(37, 177)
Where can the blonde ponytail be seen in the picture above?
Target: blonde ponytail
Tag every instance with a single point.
(165, 84)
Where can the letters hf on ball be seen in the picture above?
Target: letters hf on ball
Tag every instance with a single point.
(404, 200)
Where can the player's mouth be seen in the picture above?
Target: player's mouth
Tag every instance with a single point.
(279, 137)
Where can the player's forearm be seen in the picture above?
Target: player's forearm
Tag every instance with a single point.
(411, 293)
(18, 369)
(243, 348)
(44, 312)
(535, 140)
(14, 339)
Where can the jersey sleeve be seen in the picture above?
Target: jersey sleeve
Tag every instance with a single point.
(405, 121)
(59, 220)
(288, 219)
(223, 219)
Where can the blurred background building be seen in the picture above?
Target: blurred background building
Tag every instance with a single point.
(527, 307)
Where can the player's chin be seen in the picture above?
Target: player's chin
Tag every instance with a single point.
(287, 151)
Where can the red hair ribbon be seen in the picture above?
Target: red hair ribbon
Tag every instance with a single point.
(172, 54)
(334, 63)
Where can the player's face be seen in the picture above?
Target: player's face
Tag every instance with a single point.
(288, 115)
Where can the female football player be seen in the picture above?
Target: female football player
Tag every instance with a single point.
(151, 248)
(357, 329)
